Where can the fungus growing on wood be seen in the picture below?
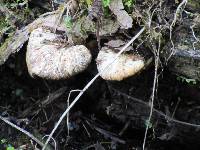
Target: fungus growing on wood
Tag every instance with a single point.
(125, 66)
(48, 56)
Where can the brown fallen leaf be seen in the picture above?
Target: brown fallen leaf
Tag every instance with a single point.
(117, 7)
(117, 45)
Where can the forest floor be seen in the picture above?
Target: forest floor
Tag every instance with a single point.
(111, 114)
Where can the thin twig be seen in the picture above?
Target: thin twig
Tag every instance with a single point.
(124, 128)
(68, 106)
(22, 130)
(193, 34)
(184, 2)
(89, 84)
(88, 133)
(153, 92)
(176, 107)
(55, 145)
(97, 34)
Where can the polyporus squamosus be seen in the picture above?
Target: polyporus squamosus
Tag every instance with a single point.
(124, 66)
(46, 56)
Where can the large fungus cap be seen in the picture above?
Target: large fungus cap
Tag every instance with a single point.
(125, 66)
(48, 57)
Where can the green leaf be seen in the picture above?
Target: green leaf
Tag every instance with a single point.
(3, 141)
(178, 78)
(188, 81)
(9, 147)
(18, 92)
(106, 3)
(149, 124)
(128, 3)
(88, 2)
(68, 22)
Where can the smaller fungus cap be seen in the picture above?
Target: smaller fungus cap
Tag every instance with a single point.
(124, 66)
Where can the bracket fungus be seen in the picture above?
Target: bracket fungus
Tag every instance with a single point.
(48, 56)
(124, 66)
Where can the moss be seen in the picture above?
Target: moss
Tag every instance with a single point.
(4, 53)
(195, 4)
(128, 4)
(3, 23)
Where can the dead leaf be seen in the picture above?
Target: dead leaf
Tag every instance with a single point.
(108, 26)
(117, 7)
(115, 43)
(118, 45)
(96, 10)
(84, 25)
